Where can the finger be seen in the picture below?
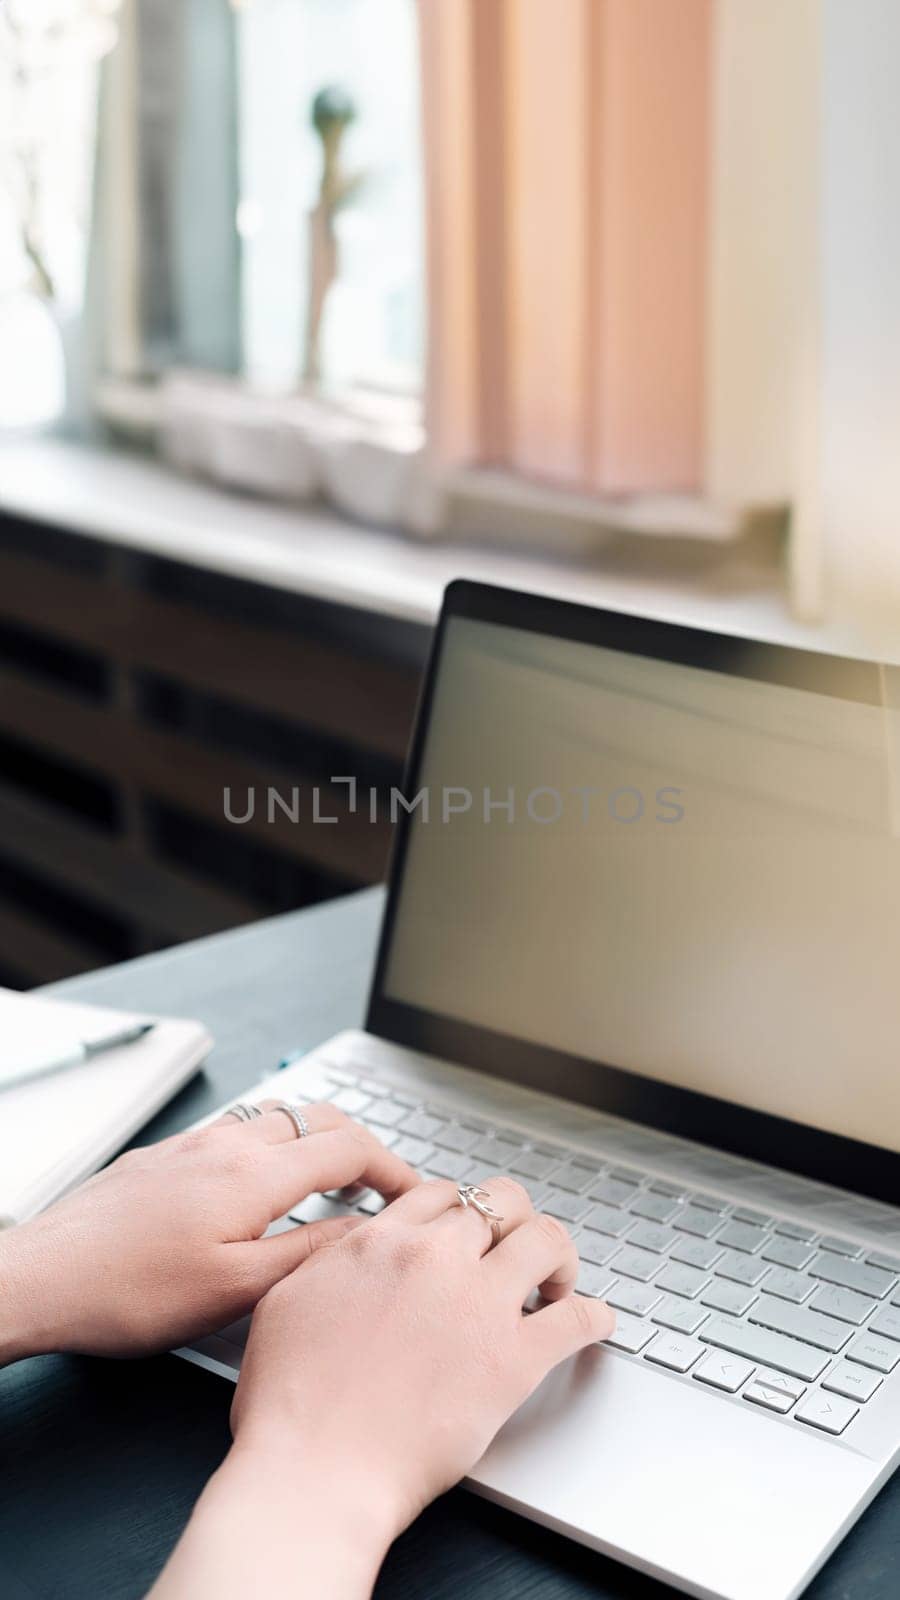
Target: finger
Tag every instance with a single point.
(275, 1127)
(569, 1325)
(332, 1160)
(267, 1261)
(439, 1198)
(424, 1203)
(540, 1254)
(508, 1200)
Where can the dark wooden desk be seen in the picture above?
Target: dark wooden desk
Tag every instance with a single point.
(101, 1462)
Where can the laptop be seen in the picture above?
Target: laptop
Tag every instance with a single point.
(640, 949)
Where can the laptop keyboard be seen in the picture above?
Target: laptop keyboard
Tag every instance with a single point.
(800, 1324)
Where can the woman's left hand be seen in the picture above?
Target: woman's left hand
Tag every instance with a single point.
(165, 1244)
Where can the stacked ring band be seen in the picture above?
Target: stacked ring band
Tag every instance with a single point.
(296, 1116)
(243, 1111)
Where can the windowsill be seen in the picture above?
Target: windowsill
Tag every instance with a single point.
(140, 505)
(364, 453)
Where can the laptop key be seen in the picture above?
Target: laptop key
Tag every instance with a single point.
(709, 1202)
(723, 1371)
(743, 1236)
(857, 1383)
(789, 1285)
(535, 1163)
(652, 1236)
(448, 1163)
(612, 1190)
(458, 1136)
(593, 1280)
(841, 1247)
(632, 1263)
(656, 1207)
(682, 1316)
(827, 1412)
(877, 1258)
(351, 1100)
(744, 1214)
(684, 1281)
(795, 1230)
(676, 1191)
(799, 1322)
(788, 1252)
(735, 1298)
(675, 1351)
(606, 1220)
(774, 1392)
(421, 1125)
(697, 1252)
(841, 1303)
(595, 1247)
(695, 1220)
(741, 1269)
(574, 1176)
(415, 1151)
(886, 1323)
(631, 1334)
(385, 1113)
(856, 1275)
(638, 1298)
(567, 1207)
(319, 1208)
(496, 1152)
(764, 1347)
(872, 1351)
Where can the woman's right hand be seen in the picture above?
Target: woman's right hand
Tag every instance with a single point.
(375, 1376)
(403, 1346)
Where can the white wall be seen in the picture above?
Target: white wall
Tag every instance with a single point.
(763, 245)
(860, 438)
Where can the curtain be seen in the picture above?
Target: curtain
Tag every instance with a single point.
(567, 182)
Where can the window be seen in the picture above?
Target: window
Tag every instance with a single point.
(48, 55)
(289, 51)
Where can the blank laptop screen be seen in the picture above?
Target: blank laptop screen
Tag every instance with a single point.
(685, 874)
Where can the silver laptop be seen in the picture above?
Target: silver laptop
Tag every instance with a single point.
(641, 949)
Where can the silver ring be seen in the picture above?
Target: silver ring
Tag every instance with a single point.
(243, 1111)
(471, 1194)
(296, 1116)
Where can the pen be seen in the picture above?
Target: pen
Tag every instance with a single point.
(86, 1050)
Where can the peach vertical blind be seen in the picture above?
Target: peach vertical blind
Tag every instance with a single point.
(567, 169)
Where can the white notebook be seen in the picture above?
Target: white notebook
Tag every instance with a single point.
(57, 1129)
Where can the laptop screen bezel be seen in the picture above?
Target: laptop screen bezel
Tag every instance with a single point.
(846, 1163)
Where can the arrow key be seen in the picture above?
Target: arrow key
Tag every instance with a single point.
(723, 1371)
(774, 1391)
(826, 1411)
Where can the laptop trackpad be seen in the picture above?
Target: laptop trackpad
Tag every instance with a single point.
(658, 1472)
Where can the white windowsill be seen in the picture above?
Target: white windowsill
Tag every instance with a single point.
(140, 505)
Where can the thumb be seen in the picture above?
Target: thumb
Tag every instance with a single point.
(270, 1259)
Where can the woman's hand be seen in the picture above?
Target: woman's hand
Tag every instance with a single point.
(164, 1245)
(374, 1378)
(403, 1346)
